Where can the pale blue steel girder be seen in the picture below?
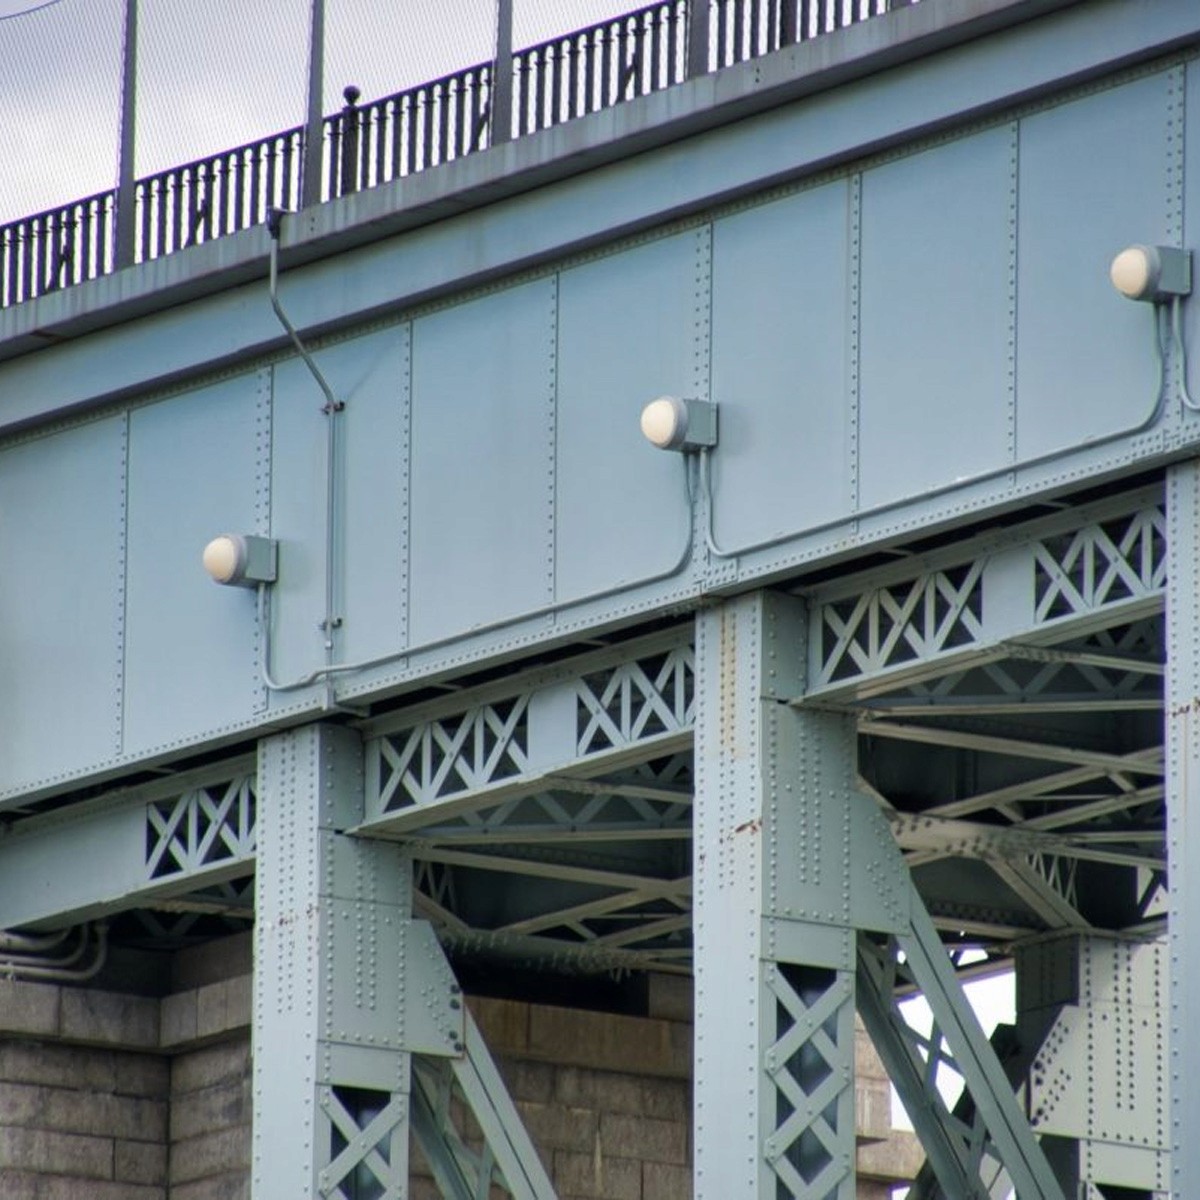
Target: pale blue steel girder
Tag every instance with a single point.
(131, 847)
(593, 714)
(998, 596)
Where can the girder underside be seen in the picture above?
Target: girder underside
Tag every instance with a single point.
(549, 814)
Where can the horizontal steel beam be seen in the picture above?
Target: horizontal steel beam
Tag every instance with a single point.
(165, 839)
(530, 733)
(1014, 747)
(999, 596)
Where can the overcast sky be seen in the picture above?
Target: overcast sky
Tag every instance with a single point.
(216, 74)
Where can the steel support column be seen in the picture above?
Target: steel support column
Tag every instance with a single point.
(774, 942)
(1182, 709)
(354, 1001)
(331, 1047)
(799, 883)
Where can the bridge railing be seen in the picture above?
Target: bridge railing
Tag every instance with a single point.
(217, 195)
(627, 56)
(745, 29)
(57, 248)
(407, 132)
(554, 81)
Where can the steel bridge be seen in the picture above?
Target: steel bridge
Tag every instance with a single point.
(891, 680)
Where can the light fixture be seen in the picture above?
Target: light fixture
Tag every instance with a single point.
(241, 559)
(1153, 273)
(671, 423)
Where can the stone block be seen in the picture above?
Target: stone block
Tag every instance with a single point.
(670, 997)
(896, 1160)
(503, 1023)
(873, 1109)
(556, 1127)
(59, 1187)
(142, 1075)
(209, 1155)
(31, 1009)
(209, 1065)
(212, 1009)
(598, 1177)
(177, 1020)
(668, 1099)
(605, 1091)
(665, 1181)
(606, 1041)
(57, 1066)
(19, 1185)
(867, 1063)
(222, 1106)
(213, 961)
(618, 1092)
(22, 1104)
(140, 1162)
(644, 1138)
(56, 1153)
(528, 1080)
(104, 1115)
(239, 1001)
(109, 1018)
(233, 1185)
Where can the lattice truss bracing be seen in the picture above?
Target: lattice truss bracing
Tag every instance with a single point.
(960, 1149)
(184, 844)
(1009, 694)
(1093, 568)
(201, 827)
(550, 816)
(808, 1061)
(1026, 667)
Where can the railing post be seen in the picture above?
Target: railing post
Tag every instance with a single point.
(349, 173)
(697, 38)
(502, 74)
(310, 168)
(787, 22)
(125, 248)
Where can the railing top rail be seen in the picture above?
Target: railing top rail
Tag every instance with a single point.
(220, 156)
(428, 85)
(620, 19)
(59, 210)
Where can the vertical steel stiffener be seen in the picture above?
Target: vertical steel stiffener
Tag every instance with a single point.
(1182, 707)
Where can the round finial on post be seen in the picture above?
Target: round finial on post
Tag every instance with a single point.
(351, 94)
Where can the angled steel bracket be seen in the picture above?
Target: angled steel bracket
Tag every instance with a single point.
(506, 1160)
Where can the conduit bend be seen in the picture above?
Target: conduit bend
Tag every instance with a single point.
(70, 968)
(332, 408)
